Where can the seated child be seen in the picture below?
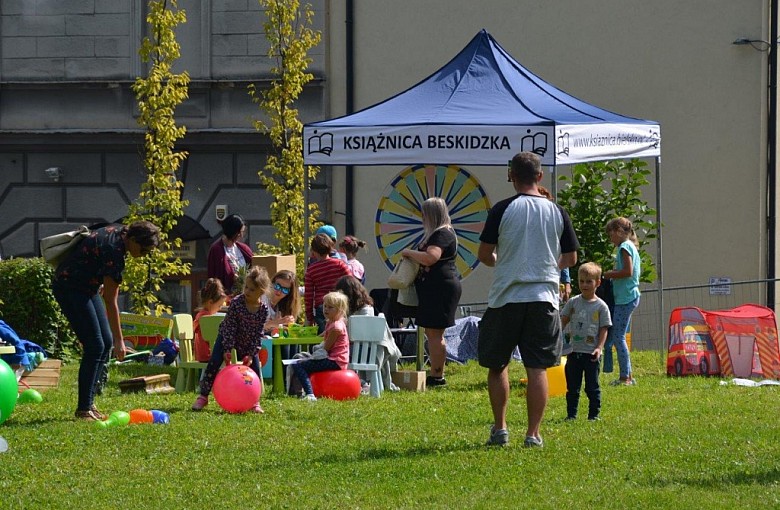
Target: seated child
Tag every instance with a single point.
(212, 297)
(335, 344)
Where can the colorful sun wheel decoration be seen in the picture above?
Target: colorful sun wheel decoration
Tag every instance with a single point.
(399, 222)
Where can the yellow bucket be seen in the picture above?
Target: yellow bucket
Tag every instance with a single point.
(556, 379)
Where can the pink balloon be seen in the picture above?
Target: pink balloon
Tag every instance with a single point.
(237, 388)
(336, 384)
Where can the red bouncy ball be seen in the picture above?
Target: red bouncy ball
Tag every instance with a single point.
(336, 384)
(237, 388)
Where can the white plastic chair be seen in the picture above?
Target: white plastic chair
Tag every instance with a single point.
(365, 334)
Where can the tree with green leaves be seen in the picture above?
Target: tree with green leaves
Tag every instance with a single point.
(591, 205)
(288, 30)
(160, 198)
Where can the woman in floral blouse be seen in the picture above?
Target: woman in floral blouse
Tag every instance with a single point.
(98, 260)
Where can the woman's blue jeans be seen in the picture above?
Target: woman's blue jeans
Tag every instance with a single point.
(87, 317)
(617, 335)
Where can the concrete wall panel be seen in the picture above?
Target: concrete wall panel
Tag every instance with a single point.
(100, 202)
(79, 168)
(98, 24)
(111, 6)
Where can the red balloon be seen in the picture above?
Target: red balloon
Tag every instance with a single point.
(237, 388)
(336, 384)
(263, 356)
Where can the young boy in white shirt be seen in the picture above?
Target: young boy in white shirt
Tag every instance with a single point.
(588, 319)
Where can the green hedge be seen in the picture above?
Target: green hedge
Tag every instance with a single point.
(29, 307)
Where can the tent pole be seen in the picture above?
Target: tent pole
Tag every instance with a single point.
(659, 264)
(306, 226)
(350, 107)
(771, 213)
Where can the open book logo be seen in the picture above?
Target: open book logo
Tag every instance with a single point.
(320, 144)
(656, 137)
(562, 144)
(536, 143)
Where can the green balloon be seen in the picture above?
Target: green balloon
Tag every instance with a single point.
(119, 418)
(101, 424)
(9, 391)
(30, 396)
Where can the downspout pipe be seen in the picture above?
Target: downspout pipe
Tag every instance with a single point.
(349, 213)
(772, 156)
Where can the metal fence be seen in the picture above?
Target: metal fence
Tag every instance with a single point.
(650, 321)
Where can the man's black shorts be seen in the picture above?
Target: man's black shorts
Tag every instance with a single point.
(533, 327)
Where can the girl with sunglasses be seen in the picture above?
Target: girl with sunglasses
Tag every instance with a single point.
(282, 300)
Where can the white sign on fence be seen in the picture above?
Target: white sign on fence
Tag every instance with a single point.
(720, 286)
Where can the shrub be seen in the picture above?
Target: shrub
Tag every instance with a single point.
(30, 309)
(591, 204)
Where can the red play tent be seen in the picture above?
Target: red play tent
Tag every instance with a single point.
(740, 342)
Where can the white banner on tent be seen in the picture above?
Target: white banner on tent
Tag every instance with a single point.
(476, 145)
(595, 142)
(439, 144)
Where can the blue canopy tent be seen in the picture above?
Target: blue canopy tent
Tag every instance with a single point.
(482, 108)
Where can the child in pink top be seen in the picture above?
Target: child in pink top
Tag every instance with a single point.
(212, 297)
(335, 343)
(350, 246)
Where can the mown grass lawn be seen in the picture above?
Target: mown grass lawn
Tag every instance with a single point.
(665, 443)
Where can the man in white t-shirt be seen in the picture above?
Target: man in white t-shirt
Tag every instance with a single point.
(528, 239)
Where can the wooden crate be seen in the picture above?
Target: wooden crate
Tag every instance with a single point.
(150, 384)
(44, 376)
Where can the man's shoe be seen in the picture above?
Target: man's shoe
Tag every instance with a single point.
(533, 442)
(498, 437)
(257, 409)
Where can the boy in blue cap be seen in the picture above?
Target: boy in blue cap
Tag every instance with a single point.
(330, 231)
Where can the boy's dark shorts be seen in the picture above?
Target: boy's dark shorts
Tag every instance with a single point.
(533, 327)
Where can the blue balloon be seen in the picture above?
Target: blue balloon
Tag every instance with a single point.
(160, 417)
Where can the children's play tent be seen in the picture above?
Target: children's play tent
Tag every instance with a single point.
(740, 342)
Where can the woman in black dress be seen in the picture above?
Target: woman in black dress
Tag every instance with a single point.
(438, 285)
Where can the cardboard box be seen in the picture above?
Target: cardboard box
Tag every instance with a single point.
(275, 263)
(411, 380)
(145, 331)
